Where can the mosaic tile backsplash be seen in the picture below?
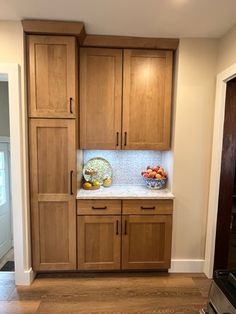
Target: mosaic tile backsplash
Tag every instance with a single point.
(127, 165)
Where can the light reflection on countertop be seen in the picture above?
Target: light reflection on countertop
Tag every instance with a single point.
(124, 192)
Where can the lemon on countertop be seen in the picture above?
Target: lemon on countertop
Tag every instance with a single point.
(96, 183)
(87, 184)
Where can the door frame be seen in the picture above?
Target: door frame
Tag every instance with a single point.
(217, 144)
(24, 274)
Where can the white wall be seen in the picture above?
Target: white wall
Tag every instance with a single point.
(192, 138)
(4, 109)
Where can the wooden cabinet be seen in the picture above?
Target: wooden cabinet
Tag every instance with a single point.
(99, 242)
(138, 238)
(52, 71)
(145, 81)
(98, 207)
(52, 148)
(147, 99)
(146, 241)
(100, 98)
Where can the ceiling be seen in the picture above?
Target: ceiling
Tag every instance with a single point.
(149, 18)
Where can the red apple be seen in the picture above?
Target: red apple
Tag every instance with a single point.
(156, 168)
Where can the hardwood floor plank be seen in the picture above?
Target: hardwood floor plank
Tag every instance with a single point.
(19, 307)
(110, 293)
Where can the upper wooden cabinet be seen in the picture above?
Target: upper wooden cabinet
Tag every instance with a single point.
(100, 98)
(52, 72)
(144, 78)
(147, 99)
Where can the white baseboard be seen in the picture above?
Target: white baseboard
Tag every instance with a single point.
(187, 266)
(26, 278)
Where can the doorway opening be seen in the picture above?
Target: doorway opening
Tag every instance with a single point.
(225, 244)
(6, 226)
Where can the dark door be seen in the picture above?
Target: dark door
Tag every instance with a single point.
(226, 191)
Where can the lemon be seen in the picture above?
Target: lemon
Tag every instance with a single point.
(107, 182)
(87, 184)
(96, 183)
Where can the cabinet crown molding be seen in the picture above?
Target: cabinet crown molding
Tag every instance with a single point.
(127, 42)
(54, 28)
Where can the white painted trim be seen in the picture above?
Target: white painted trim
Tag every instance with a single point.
(19, 188)
(187, 266)
(218, 131)
(4, 139)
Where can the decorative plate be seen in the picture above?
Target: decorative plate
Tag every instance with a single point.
(97, 169)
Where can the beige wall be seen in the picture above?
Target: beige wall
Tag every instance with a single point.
(227, 50)
(12, 51)
(4, 110)
(193, 117)
(192, 138)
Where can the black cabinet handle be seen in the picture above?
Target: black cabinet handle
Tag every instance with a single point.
(125, 141)
(71, 108)
(148, 208)
(117, 138)
(117, 227)
(71, 182)
(105, 207)
(125, 227)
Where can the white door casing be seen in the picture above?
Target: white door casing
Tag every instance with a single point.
(5, 207)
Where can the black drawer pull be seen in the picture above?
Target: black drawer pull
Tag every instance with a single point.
(71, 182)
(71, 110)
(117, 227)
(148, 208)
(117, 138)
(105, 207)
(125, 227)
(125, 142)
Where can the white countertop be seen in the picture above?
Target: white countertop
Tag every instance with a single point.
(124, 192)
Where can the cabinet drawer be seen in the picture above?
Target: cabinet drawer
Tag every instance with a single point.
(146, 207)
(98, 207)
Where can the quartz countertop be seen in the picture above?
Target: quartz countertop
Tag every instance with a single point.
(124, 192)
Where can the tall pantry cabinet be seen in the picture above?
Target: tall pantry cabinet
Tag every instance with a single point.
(52, 103)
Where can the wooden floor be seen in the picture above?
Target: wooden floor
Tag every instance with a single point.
(103, 294)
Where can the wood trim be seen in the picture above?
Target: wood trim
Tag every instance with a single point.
(109, 41)
(54, 27)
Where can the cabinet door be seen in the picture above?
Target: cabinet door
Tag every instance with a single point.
(52, 148)
(52, 76)
(146, 242)
(99, 242)
(147, 99)
(100, 98)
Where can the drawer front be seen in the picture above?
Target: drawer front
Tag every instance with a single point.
(146, 207)
(98, 207)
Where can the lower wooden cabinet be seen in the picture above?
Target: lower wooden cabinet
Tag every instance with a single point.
(138, 238)
(146, 241)
(52, 151)
(99, 242)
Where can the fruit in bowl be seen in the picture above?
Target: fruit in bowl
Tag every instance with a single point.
(155, 177)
